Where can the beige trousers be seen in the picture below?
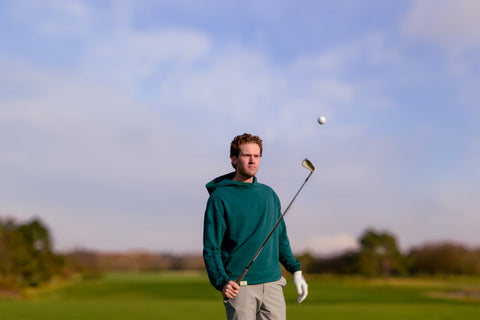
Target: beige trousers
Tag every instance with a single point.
(258, 302)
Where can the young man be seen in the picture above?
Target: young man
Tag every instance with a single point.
(239, 215)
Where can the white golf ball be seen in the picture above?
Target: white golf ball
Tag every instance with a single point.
(322, 120)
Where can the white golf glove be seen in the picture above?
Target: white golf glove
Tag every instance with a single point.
(301, 284)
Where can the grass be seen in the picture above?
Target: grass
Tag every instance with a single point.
(190, 296)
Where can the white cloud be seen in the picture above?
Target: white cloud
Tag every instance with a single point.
(325, 244)
(85, 157)
(53, 17)
(128, 58)
(97, 153)
(235, 83)
(452, 24)
(91, 137)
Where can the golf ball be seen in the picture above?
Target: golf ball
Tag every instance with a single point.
(322, 120)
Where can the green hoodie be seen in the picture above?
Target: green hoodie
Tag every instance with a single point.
(238, 217)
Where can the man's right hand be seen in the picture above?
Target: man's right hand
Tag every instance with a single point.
(230, 290)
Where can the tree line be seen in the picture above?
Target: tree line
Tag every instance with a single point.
(92, 264)
(378, 256)
(28, 260)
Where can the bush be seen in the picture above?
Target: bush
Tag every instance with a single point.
(444, 258)
(26, 255)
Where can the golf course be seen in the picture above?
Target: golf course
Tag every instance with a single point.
(188, 295)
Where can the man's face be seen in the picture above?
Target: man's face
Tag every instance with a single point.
(247, 161)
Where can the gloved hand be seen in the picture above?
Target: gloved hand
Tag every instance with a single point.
(301, 284)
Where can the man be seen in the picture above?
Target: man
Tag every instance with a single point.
(239, 215)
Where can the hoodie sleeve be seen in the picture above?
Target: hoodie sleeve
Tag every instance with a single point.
(213, 233)
(287, 258)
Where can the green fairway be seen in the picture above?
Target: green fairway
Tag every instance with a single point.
(190, 296)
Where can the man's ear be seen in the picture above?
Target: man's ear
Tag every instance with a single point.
(234, 160)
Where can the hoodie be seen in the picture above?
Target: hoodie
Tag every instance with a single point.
(238, 217)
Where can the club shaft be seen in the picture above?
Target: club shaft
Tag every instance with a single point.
(271, 232)
(241, 276)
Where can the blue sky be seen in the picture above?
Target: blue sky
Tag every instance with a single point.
(115, 114)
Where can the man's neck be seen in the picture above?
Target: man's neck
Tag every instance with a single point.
(241, 178)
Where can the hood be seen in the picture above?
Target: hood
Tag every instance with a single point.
(226, 181)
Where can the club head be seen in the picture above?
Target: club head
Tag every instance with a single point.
(307, 164)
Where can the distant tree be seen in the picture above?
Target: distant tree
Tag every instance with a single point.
(444, 258)
(85, 263)
(26, 255)
(42, 263)
(6, 263)
(344, 263)
(379, 255)
(14, 251)
(309, 263)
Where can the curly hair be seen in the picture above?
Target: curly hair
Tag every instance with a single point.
(241, 139)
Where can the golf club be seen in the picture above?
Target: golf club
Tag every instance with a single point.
(306, 164)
